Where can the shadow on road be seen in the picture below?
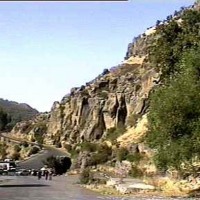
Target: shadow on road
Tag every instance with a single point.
(25, 185)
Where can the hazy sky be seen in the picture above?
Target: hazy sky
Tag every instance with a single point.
(46, 48)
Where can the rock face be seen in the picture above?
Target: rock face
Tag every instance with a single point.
(110, 100)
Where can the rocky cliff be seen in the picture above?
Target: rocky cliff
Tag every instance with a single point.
(116, 98)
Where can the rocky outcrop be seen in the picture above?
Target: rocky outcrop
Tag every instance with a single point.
(139, 46)
(110, 100)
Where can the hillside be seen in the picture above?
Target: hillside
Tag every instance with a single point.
(17, 111)
(143, 111)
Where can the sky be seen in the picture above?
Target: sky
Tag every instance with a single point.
(46, 48)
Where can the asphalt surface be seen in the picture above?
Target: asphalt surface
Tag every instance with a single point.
(36, 161)
(30, 188)
(59, 188)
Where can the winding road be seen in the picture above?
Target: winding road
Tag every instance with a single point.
(59, 188)
(36, 161)
(30, 188)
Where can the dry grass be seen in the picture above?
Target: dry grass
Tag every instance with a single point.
(134, 134)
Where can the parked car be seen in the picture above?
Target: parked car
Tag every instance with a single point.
(34, 172)
(22, 172)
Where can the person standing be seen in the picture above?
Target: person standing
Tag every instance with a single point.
(46, 174)
(39, 175)
(50, 174)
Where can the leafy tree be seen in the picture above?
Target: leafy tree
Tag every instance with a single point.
(171, 41)
(4, 119)
(59, 164)
(174, 118)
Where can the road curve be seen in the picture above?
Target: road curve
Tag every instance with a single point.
(36, 161)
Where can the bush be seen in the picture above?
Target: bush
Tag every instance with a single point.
(113, 133)
(102, 155)
(58, 145)
(174, 117)
(103, 94)
(17, 148)
(74, 153)
(87, 146)
(132, 119)
(38, 138)
(136, 157)
(68, 147)
(24, 143)
(15, 156)
(86, 176)
(34, 150)
(59, 164)
(122, 154)
(135, 172)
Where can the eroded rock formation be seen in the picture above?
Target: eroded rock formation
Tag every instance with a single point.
(108, 101)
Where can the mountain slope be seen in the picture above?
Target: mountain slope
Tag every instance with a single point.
(17, 111)
(116, 106)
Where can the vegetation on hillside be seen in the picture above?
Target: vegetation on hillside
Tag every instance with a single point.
(59, 164)
(172, 40)
(174, 117)
(15, 113)
(5, 119)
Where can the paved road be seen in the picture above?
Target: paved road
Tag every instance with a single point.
(36, 161)
(60, 188)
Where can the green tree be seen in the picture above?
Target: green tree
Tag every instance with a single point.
(59, 164)
(171, 41)
(4, 119)
(174, 117)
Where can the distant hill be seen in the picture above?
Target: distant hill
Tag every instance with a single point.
(17, 111)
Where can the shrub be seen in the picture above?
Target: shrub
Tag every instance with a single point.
(58, 145)
(86, 176)
(24, 143)
(174, 117)
(113, 133)
(122, 154)
(74, 153)
(17, 148)
(132, 119)
(136, 157)
(102, 155)
(39, 138)
(34, 150)
(103, 94)
(27, 127)
(68, 147)
(15, 156)
(135, 172)
(59, 164)
(87, 146)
